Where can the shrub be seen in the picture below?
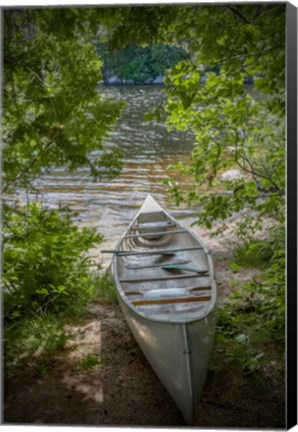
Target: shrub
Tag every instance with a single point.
(253, 316)
(45, 262)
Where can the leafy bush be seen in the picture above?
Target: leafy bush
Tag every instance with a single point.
(45, 262)
(254, 315)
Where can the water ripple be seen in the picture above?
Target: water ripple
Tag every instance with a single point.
(148, 149)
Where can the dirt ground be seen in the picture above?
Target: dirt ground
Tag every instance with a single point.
(123, 390)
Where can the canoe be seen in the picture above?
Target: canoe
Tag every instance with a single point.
(165, 284)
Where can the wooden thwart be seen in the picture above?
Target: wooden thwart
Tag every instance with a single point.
(163, 278)
(120, 252)
(171, 300)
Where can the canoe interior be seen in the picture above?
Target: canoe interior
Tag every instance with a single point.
(154, 240)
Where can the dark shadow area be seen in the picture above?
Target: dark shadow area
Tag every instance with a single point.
(124, 391)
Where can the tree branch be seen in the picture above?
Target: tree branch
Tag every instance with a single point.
(240, 15)
(256, 175)
(45, 304)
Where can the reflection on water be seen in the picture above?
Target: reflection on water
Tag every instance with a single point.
(148, 149)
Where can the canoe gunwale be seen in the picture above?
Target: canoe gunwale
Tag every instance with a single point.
(172, 318)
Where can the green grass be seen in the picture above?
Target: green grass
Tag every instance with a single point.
(253, 253)
(40, 336)
(90, 361)
(32, 339)
(105, 289)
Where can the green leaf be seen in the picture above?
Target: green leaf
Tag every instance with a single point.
(42, 291)
(235, 267)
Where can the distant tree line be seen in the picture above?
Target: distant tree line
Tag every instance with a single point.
(138, 63)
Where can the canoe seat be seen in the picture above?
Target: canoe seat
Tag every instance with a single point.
(145, 302)
(167, 293)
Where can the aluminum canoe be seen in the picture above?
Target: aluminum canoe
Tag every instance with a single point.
(165, 284)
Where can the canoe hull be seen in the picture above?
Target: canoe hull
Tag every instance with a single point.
(179, 353)
(172, 316)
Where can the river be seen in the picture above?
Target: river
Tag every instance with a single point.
(148, 148)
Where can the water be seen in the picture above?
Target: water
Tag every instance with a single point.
(148, 148)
